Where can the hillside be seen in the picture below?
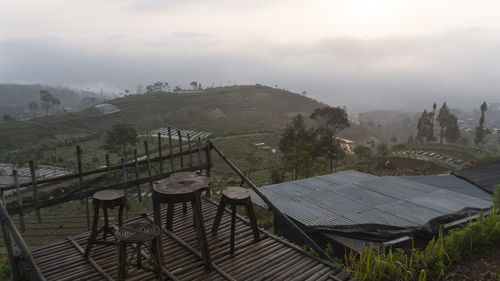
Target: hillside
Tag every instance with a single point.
(221, 111)
(15, 98)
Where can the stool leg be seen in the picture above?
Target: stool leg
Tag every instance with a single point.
(218, 216)
(93, 233)
(170, 216)
(155, 250)
(202, 236)
(122, 259)
(157, 218)
(120, 214)
(233, 226)
(105, 234)
(138, 249)
(252, 218)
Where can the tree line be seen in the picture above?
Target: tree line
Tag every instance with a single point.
(449, 129)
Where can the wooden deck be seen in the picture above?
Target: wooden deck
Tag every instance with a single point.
(269, 258)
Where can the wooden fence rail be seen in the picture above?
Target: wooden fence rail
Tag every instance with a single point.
(83, 191)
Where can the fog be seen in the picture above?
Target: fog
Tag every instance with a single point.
(360, 54)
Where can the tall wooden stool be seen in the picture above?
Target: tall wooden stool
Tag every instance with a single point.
(182, 187)
(139, 234)
(236, 196)
(105, 199)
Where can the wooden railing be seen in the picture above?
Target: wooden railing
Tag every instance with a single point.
(195, 158)
(83, 191)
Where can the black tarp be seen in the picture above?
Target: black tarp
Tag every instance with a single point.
(384, 233)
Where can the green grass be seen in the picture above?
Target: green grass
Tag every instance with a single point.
(434, 261)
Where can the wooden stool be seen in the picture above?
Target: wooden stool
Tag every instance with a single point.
(139, 234)
(105, 199)
(182, 187)
(236, 196)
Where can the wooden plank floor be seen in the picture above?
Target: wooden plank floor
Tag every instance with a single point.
(269, 258)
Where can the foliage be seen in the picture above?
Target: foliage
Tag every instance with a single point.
(253, 162)
(410, 140)
(432, 262)
(382, 149)
(496, 196)
(362, 152)
(425, 126)
(120, 139)
(399, 146)
(4, 267)
(448, 123)
(157, 87)
(47, 100)
(330, 120)
(7, 118)
(480, 131)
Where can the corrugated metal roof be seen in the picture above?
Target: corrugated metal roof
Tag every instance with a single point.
(352, 197)
(485, 176)
(451, 183)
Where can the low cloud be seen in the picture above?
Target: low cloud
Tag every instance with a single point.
(460, 67)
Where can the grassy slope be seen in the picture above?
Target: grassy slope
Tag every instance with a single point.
(248, 109)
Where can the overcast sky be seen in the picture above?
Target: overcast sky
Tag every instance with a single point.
(364, 54)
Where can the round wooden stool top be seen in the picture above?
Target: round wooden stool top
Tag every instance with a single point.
(179, 187)
(137, 232)
(236, 193)
(109, 198)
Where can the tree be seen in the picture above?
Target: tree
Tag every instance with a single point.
(410, 140)
(448, 123)
(47, 101)
(33, 107)
(293, 140)
(394, 139)
(425, 127)
(120, 139)
(452, 132)
(362, 152)
(7, 118)
(480, 131)
(382, 149)
(330, 121)
(194, 84)
(442, 118)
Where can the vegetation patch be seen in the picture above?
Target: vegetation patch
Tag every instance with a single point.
(436, 261)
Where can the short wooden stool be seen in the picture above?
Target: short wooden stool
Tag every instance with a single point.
(236, 196)
(139, 234)
(105, 199)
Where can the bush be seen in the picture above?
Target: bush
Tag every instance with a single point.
(496, 197)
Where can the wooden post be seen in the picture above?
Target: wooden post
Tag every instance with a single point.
(199, 155)
(7, 238)
(208, 158)
(107, 169)
(190, 152)
(170, 147)
(19, 200)
(159, 153)
(149, 167)
(180, 148)
(80, 181)
(137, 176)
(35, 191)
(125, 189)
